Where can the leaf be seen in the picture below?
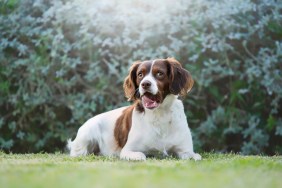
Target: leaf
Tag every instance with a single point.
(278, 130)
(271, 122)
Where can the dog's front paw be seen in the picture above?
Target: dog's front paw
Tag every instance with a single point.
(133, 156)
(189, 155)
(197, 157)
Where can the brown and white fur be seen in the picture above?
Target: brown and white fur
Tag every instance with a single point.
(155, 122)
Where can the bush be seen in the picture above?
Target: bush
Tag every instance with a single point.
(64, 61)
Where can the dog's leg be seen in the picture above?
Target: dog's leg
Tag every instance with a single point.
(185, 151)
(185, 148)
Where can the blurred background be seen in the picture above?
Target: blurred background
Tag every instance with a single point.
(63, 61)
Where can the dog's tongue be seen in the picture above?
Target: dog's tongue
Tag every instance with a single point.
(149, 103)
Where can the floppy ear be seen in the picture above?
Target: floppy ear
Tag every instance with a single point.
(181, 80)
(129, 86)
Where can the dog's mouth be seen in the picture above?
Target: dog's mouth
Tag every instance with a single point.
(150, 101)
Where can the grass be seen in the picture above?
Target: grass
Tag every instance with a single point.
(215, 170)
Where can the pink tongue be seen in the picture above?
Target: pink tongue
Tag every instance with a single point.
(148, 103)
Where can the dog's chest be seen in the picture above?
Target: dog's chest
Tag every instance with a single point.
(161, 132)
(161, 125)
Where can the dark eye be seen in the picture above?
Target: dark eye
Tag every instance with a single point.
(160, 74)
(140, 75)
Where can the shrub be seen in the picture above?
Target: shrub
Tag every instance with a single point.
(64, 61)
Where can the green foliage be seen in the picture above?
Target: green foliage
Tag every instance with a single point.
(61, 62)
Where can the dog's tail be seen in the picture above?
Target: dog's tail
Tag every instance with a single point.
(69, 143)
(69, 146)
(77, 148)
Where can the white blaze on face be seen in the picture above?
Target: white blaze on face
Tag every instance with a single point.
(150, 78)
(149, 98)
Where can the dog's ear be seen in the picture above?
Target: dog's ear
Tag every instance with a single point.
(181, 80)
(130, 86)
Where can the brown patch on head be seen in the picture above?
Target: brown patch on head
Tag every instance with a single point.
(123, 126)
(142, 71)
(161, 72)
(181, 80)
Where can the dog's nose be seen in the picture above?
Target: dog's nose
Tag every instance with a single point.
(146, 84)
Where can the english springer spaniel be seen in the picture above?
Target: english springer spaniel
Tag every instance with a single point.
(155, 122)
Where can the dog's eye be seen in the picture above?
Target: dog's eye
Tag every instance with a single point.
(140, 74)
(160, 74)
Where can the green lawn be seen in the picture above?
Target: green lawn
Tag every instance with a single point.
(215, 170)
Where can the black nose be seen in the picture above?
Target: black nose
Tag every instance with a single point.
(146, 84)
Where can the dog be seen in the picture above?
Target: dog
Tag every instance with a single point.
(155, 122)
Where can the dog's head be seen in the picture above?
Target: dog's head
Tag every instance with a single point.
(152, 81)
